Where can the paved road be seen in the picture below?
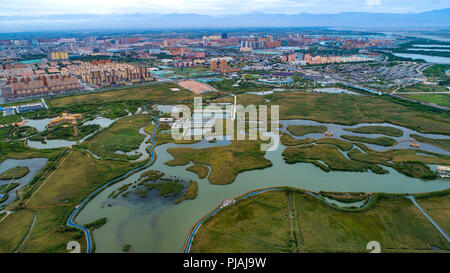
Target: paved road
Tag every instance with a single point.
(71, 222)
(410, 197)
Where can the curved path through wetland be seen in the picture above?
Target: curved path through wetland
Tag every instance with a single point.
(398, 142)
(71, 222)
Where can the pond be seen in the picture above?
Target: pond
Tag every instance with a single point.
(427, 58)
(33, 164)
(155, 224)
(338, 130)
(336, 91)
(58, 143)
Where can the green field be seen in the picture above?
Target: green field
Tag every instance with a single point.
(423, 88)
(301, 130)
(351, 110)
(190, 193)
(16, 172)
(200, 170)
(4, 189)
(330, 155)
(439, 99)
(13, 229)
(384, 130)
(9, 119)
(382, 141)
(262, 223)
(288, 140)
(155, 93)
(341, 144)
(76, 177)
(225, 161)
(123, 135)
(442, 143)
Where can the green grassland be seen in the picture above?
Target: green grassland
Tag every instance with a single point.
(225, 161)
(439, 99)
(16, 172)
(382, 141)
(50, 233)
(123, 135)
(442, 143)
(438, 208)
(423, 88)
(301, 130)
(200, 170)
(341, 144)
(406, 161)
(9, 119)
(259, 224)
(164, 136)
(76, 177)
(165, 188)
(288, 140)
(384, 130)
(4, 189)
(393, 221)
(190, 193)
(16, 132)
(351, 110)
(66, 132)
(155, 93)
(436, 71)
(13, 229)
(330, 155)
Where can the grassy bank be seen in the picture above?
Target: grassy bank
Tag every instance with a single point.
(382, 141)
(301, 130)
(351, 110)
(442, 143)
(384, 130)
(16, 172)
(200, 170)
(123, 136)
(393, 221)
(225, 161)
(155, 92)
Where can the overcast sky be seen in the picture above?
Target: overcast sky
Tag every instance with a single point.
(46, 7)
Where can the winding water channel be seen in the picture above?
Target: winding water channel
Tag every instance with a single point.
(156, 224)
(33, 164)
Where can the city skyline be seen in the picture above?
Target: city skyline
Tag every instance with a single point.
(213, 7)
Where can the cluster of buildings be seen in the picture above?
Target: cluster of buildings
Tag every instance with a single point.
(249, 44)
(41, 65)
(306, 58)
(59, 55)
(107, 73)
(221, 64)
(67, 120)
(39, 86)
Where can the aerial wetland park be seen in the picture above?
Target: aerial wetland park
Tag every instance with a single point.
(332, 173)
(97, 153)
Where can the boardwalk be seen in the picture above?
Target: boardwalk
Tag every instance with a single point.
(410, 197)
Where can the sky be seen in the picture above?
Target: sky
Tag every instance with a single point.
(213, 7)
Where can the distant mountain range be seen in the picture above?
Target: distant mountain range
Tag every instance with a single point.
(435, 18)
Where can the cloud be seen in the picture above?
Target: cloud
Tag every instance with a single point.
(373, 2)
(211, 7)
